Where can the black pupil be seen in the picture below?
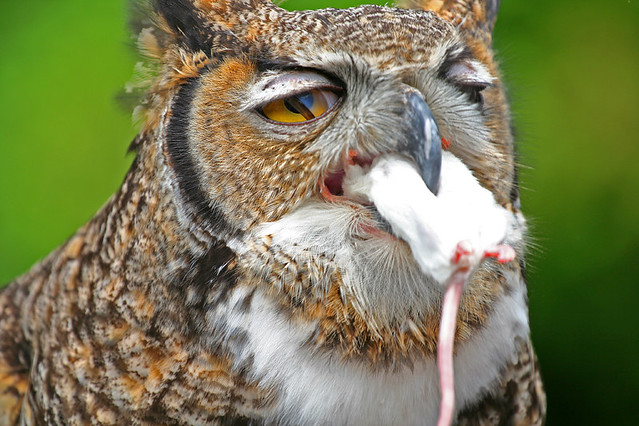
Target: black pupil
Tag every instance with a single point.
(306, 99)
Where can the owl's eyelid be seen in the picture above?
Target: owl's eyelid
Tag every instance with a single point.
(294, 78)
(469, 74)
(288, 85)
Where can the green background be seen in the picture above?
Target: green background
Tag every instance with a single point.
(573, 71)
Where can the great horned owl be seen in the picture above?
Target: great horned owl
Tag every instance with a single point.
(247, 271)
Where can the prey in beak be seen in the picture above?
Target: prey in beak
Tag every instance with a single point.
(432, 201)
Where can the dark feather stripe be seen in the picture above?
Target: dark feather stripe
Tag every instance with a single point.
(204, 210)
(199, 289)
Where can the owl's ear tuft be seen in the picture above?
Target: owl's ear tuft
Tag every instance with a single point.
(208, 26)
(476, 18)
(492, 7)
(169, 22)
(160, 25)
(179, 39)
(185, 22)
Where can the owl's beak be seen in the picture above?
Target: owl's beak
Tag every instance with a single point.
(422, 141)
(418, 139)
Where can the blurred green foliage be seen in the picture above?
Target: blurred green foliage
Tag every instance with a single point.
(573, 72)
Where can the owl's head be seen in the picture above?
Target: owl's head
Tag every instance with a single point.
(256, 111)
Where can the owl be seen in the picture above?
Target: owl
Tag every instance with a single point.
(305, 187)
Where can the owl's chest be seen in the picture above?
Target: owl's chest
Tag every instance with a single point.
(317, 387)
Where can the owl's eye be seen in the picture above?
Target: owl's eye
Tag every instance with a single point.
(470, 76)
(300, 107)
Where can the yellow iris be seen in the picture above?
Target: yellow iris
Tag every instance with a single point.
(301, 107)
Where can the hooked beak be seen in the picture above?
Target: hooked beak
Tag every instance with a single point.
(422, 141)
(418, 139)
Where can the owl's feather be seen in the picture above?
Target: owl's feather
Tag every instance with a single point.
(233, 279)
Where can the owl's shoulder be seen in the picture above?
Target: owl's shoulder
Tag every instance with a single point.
(519, 398)
(14, 357)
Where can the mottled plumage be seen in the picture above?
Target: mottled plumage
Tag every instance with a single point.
(230, 280)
